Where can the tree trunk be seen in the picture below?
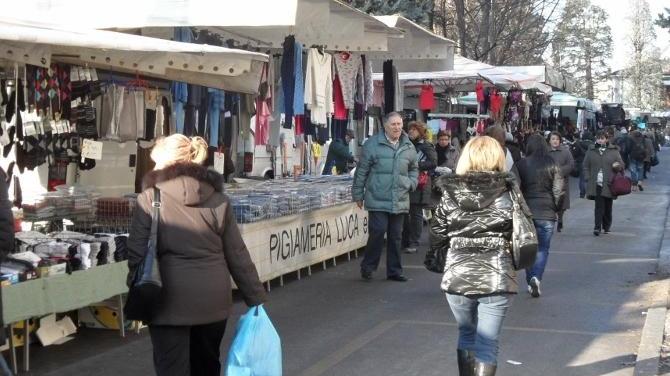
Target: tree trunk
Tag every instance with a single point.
(485, 33)
(460, 24)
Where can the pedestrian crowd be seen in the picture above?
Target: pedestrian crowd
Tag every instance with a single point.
(466, 192)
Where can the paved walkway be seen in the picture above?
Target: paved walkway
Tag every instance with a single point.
(588, 321)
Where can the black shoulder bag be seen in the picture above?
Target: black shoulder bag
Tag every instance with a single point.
(146, 286)
(524, 237)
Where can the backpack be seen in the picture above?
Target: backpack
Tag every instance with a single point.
(638, 151)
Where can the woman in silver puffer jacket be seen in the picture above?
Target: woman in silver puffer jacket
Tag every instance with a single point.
(474, 221)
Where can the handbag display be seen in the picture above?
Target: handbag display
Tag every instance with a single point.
(620, 184)
(146, 286)
(524, 237)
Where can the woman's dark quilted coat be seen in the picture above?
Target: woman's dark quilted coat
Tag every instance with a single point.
(474, 219)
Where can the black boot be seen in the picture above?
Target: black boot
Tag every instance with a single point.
(466, 363)
(484, 369)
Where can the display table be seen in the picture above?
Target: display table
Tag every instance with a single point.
(61, 293)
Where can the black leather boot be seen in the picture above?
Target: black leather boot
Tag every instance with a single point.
(485, 369)
(466, 363)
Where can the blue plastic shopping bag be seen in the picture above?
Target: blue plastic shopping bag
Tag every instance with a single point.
(256, 349)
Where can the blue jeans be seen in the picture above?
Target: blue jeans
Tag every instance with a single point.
(380, 223)
(545, 230)
(479, 323)
(636, 171)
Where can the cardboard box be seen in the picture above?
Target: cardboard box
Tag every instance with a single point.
(52, 332)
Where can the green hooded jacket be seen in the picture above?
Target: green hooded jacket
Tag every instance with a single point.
(385, 175)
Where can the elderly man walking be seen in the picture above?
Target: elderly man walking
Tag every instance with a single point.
(385, 175)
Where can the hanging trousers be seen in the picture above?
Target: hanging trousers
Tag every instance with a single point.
(187, 350)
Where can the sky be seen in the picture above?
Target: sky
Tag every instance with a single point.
(617, 10)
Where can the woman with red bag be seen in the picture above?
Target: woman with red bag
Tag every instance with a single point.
(422, 197)
(601, 163)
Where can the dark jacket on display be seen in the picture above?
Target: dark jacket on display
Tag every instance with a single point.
(474, 221)
(563, 158)
(600, 159)
(427, 158)
(199, 247)
(6, 232)
(543, 187)
(338, 156)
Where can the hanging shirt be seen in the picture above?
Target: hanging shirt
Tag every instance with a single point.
(368, 83)
(348, 66)
(319, 86)
(399, 91)
(479, 89)
(427, 98)
(216, 105)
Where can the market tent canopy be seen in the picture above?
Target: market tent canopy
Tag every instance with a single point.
(211, 66)
(467, 73)
(419, 49)
(545, 75)
(158, 13)
(560, 99)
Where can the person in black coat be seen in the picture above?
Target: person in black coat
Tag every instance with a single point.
(542, 184)
(339, 155)
(6, 237)
(422, 196)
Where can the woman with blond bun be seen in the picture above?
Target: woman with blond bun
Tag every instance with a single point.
(474, 223)
(199, 249)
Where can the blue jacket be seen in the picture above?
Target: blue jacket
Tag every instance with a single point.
(385, 175)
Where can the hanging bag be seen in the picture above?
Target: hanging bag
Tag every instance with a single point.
(256, 349)
(524, 237)
(146, 286)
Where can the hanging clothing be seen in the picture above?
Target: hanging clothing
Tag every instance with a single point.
(180, 89)
(139, 114)
(112, 106)
(319, 86)
(389, 87)
(348, 67)
(216, 105)
(338, 129)
(479, 90)
(128, 119)
(399, 91)
(496, 104)
(299, 91)
(341, 112)
(427, 98)
(263, 110)
(288, 74)
(368, 82)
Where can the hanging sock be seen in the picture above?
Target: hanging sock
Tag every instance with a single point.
(20, 97)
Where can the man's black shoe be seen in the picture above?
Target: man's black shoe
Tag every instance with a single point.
(366, 275)
(559, 228)
(397, 278)
(596, 232)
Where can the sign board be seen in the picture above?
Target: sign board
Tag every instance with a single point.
(283, 245)
(219, 162)
(91, 149)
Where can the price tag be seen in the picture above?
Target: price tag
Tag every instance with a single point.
(91, 149)
(219, 162)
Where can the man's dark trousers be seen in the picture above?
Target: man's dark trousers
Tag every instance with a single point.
(380, 223)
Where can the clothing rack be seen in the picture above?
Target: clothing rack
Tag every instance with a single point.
(459, 116)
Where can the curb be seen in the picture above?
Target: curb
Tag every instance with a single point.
(649, 352)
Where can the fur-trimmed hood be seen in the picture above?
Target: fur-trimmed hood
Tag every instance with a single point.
(188, 182)
(476, 190)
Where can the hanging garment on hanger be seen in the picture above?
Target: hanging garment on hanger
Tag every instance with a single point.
(368, 83)
(263, 111)
(112, 107)
(479, 90)
(399, 91)
(288, 78)
(389, 87)
(348, 66)
(216, 105)
(341, 112)
(427, 98)
(139, 114)
(319, 86)
(128, 118)
(180, 89)
(299, 86)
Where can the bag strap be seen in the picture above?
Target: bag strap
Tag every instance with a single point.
(155, 215)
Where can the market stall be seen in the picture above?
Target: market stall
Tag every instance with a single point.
(580, 112)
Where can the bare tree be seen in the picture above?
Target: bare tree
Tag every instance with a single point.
(640, 39)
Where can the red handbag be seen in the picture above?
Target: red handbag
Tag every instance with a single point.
(422, 180)
(620, 184)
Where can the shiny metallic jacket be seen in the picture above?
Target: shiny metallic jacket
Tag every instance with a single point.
(474, 220)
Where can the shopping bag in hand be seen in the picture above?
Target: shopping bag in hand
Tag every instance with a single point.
(256, 349)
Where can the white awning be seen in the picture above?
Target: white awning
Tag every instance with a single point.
(156, 13)
(211, 66)
(545, 75)
(560, 99)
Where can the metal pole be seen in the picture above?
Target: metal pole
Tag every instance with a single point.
(26, 345)
(121, 317)
(12, 350)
